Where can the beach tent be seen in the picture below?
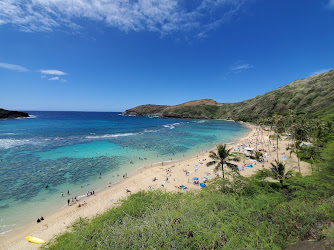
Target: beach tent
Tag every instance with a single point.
(202, 185)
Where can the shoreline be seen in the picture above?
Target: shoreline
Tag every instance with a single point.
(107, 197)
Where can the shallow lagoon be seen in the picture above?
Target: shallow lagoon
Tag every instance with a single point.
(69, 150)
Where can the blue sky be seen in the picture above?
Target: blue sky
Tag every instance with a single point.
(110, 55)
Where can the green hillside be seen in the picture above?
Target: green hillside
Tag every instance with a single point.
(314, 95)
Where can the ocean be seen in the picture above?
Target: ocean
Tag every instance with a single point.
(52, 152)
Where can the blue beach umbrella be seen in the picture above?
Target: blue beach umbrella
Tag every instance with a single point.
(195, 179)
(202, 185)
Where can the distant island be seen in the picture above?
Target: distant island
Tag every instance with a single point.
(314, 94)
(6, 114)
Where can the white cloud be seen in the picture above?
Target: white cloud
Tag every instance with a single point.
(241, 67)
(56, 78)
(319, 72)
(52, 72)
(162, 16)
(13, 67)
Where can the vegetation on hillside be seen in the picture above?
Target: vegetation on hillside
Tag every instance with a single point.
(314, 95)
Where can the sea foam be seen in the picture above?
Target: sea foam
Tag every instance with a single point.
(109, 136)
(173, 125)
(10, 143)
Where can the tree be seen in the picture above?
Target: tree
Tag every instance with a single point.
(295, 148)
(257, 155)
(279, 128)
(311, 153)
(278, 172)
(223, 157)
(318, 129)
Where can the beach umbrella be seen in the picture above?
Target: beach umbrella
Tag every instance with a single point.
(195, 179)
(202, 185)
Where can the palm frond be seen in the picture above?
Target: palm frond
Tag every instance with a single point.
(214, 157)
(289, 174)
(236, 159)
(232, 166)
(218, 167)
(210, 163)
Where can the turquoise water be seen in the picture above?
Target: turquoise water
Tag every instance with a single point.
(81, 151)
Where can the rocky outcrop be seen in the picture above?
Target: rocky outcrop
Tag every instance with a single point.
(200, 109)
(146, 110)
(5, 114)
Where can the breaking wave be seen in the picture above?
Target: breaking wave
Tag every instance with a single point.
(109, 136)
(10, 143)
(201, 121)
(173, 125)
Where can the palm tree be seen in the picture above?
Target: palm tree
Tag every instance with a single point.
(279, 127)
(257, 155)
(311, 153)
(291, 124)
(318, 130)
(223, 157)
(278, 172)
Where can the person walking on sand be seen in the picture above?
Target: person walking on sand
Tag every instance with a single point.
(68, 201)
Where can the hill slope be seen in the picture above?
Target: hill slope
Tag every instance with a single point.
(314, 94)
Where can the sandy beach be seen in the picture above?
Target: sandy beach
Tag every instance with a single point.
(167, 176)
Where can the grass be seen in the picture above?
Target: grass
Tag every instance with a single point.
(237, 214)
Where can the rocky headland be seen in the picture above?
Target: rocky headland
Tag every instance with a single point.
(6, 114)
